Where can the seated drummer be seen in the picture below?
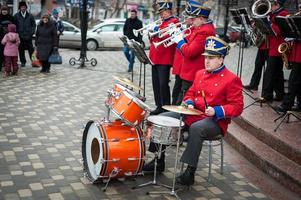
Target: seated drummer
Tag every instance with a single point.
(223, 94)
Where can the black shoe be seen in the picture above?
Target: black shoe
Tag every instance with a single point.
(282, 108)
(250, 87)
(267, 99)
(278, 98)
(157, 111)
(187, 178)
(130, 70)
(22, 64)
(296, 108)
(149, 167)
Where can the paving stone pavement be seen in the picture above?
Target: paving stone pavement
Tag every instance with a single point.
(42, 117)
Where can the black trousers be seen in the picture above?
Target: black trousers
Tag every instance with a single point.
(185, 86)
(261, 57)
(25, 45)
(1, 56)
(176, 90)
(198, 132)
(294, 86)
(160, 80)
(273, 78)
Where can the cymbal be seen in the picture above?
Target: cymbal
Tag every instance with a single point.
(182, 110)
(127, 82)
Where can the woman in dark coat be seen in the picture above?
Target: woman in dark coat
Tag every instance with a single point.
(5, 19)
(46, 37)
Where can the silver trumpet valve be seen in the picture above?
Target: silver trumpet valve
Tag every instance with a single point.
(165, 31)
(169, 41)
(140, 31)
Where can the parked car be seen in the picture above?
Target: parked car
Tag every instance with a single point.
(110, 32)
(71, 37)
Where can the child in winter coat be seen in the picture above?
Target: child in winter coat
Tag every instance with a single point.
(11, 41)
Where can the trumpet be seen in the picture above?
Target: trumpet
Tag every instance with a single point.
(165, 31)
(285, 49)
(261, 8)
(168, 41)
(140, 31)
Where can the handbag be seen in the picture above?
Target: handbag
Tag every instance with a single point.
(55, 57)
(35, 62)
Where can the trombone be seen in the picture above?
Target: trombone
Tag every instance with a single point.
(140, 31)
(165, 31)
(168, 41)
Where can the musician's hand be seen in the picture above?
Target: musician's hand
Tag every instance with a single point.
(177, 36)
(210, 111)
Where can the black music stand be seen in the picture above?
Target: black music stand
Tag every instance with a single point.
(263, 24)
(143, 59)
(290, 27)
(240, 16)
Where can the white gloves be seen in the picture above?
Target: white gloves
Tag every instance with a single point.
(177, 36)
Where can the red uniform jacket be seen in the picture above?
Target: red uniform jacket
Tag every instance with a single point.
(295, 52)
(223, 91)
(192, 50)
(263, 46)
(177, 62)
(275, 41)
(162, 55)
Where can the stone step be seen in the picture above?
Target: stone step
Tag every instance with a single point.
(273, 163)
(278, 144)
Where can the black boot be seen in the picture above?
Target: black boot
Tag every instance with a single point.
(149, 167)
(187, 178)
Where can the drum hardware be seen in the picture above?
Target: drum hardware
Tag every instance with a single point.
(113, 160)
(103, 159)
(154, 181)
(113, 173)
(133, 159)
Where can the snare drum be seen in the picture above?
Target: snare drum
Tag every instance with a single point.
(164, 129)
(129, 108)
(112, 147)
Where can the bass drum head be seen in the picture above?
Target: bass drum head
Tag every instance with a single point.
(92, 150)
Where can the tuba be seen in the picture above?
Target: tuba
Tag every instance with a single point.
(261, 8)
(285, 49)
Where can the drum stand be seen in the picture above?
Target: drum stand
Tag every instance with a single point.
(173, 191)
(154, 182)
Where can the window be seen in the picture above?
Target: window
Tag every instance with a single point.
(119, 28)
(107, 28)
(68, 28)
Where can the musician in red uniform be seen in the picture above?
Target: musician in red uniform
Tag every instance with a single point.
(261, 58)
(273, 77)
(294, 82)
(162, 58)
(176, 68)
(224, 100)
(193, 45)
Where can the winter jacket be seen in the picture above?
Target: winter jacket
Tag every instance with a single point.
(59, 25)
(26, 26)
(131, 24)
(46, 39)
(11, 41)
(4, 21)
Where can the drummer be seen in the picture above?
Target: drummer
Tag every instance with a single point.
(221, 101)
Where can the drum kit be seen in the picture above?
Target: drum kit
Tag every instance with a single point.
(116, 149)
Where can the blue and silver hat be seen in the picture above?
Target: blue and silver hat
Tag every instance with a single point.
(216, 47)
(196, 9)
(164, 5)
